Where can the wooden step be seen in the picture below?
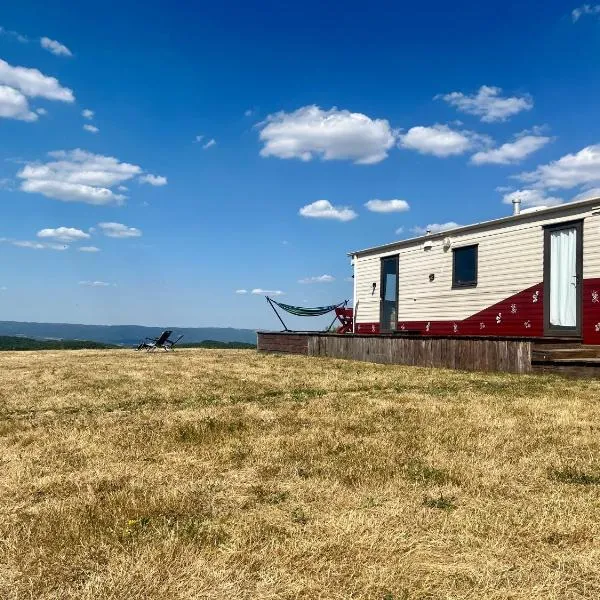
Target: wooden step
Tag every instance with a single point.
(568, 353)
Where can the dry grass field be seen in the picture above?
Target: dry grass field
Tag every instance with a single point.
(228, 474)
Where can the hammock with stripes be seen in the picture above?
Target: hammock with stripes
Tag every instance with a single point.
(301, 311)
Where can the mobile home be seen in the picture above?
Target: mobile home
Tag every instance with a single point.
(528, 275)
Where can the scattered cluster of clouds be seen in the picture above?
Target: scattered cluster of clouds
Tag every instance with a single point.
(89, 114)
(81, 176)
(35, 245)
(337, 134)
(579, 169)
(434, 228)
(585, 9)
(488, 103)
(575, 170)
(53, 46)
(334, 134)
(206, 145)
(19, 84)
(260, 292)
(317, 279)
(61, 238)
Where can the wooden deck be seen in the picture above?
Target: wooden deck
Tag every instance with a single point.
(511, 355)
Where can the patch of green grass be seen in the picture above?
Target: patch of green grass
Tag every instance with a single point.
(574, 476)
(441, 502)
(420, 472)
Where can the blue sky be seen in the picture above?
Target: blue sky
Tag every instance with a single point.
(437, 112)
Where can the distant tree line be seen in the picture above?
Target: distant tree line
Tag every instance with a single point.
(24, 343)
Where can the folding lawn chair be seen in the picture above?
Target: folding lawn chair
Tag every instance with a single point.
(162, 341)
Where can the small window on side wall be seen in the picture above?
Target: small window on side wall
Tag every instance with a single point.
(464, 267)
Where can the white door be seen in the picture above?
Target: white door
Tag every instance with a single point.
(563, 271)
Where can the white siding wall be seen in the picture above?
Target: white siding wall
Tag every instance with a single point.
(510, 259)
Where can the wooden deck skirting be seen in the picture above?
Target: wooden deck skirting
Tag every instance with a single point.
(470, 354)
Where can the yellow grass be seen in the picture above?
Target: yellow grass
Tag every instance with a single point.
(232, 475)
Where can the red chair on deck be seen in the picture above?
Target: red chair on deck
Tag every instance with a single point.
(346, 318)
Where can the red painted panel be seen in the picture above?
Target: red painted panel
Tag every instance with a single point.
(591, 311)
(520, 315)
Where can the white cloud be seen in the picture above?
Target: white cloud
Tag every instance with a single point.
(88, 249)
(259, 291)
(33, 83)
(14, 34)
(91, 128)
(435, 227)
(318, 279)
(323, 209)
(332, 135)
(14, 105)
(63, 234)
(441, 140)
(198, 139)
(55, 47)
(41, 111)
(511, 152)
(585, 9)
(209, 144)
(581, 168)
(118, 230)
(248, 113)
(531, 198)
(241, 291)
(155, 180)
(387, 206)
(399, 230)
(78, 176)
(504, 188)
(488, 103)
(87, 113)
(96, 283)
(38, 245)
(587, 194)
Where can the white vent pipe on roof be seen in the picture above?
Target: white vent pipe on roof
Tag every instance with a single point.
(516, 205)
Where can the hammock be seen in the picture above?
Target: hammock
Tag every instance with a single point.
(301, 311)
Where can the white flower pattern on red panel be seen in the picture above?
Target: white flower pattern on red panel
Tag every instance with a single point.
(499, 318)
(597, 327)
(482, 325)
(428, 326)
(595, 297)
(536, 295)
(527, 324)
(455, 327)
(513, 308)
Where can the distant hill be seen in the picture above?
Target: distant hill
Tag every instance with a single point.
(124, 335)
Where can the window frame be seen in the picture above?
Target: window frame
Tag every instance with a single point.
(468, 284)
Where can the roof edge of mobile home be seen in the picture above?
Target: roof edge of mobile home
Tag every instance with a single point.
(523, 216)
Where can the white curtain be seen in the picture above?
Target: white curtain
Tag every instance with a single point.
(563, 283)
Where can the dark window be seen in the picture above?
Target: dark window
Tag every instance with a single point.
(464, 267)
